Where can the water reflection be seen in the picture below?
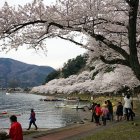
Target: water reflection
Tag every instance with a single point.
(47, 115)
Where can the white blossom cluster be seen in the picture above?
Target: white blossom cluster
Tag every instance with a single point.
(103, 82)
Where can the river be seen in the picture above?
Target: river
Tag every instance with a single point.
(47, 115)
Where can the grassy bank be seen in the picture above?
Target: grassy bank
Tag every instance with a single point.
(122, 131)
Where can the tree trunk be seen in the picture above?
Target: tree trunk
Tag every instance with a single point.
(134, 62)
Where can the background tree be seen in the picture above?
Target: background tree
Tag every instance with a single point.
(72, 67)
(112, 27)
(52, 75)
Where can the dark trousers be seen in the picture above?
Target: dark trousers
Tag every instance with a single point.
(104, 120)
(97, 119)
(129, 113)
(32, 122)
(110, 116)
(92, 119)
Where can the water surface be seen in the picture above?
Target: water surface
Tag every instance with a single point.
(47, 115)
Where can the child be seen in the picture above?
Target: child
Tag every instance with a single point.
(105, 111)
(119, 111)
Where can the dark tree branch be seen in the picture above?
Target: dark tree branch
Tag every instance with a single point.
(77, 43)
(100, 21)
(56, 25)
(112, 22)
(115, 61)
(20, 26)
(112, 46)
(115, 32)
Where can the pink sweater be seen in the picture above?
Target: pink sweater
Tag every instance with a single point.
(105, 111)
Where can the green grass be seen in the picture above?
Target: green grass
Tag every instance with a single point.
(121, 131)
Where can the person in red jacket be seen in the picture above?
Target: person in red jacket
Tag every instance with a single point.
(98, 113)
(15, 131)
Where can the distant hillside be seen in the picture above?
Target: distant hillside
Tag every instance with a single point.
(15, 73)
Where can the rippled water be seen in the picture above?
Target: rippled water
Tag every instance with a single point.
(46, 114)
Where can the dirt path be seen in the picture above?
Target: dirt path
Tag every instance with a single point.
(74, 132)
(68, 133)
(62, 133)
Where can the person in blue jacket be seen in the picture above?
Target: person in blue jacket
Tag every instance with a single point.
(32, 120)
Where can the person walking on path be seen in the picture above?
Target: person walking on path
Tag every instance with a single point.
(15, 132)
(32, 120)
(128, 107)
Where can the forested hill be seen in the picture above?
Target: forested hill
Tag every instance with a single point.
(71, 67)
(15, 73)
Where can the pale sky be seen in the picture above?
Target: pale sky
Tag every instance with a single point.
(59, 51)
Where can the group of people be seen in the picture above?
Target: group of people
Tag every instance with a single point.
(15, 131)
(106, 111)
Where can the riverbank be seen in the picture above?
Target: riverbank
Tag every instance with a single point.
(123, 130)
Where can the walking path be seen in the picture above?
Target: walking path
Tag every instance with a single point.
(62, 133)
(68, 133)
(74, 132)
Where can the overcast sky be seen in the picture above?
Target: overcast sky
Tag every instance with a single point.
(59, 51)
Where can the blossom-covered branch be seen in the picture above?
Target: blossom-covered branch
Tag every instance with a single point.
(115, 61)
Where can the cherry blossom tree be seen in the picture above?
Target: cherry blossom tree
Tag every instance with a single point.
(104, 82)
(110, 26)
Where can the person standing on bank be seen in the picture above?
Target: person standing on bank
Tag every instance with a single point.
(15, 132)
(93, 111)
(32, 120)
(98, 113)
(128, 107)
(110, 109)
(105, 111)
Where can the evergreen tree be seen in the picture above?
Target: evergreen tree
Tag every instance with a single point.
(73, 66)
